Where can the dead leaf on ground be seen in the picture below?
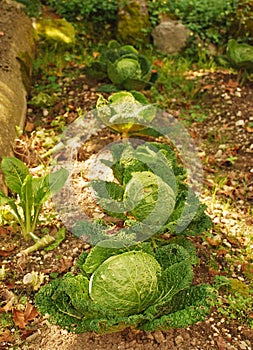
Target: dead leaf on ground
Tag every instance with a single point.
(6, 251)
(22, 261)
(8, 297)
(25, 334)
(6, 336)
(159, 63)
(29, 127)
(4, 231)
(21, 318)
(249, 129)
(95, 54)
(232, 83)
(65, 264)
(221, 343)
(208, 87)
(213, 242)
(30, 312)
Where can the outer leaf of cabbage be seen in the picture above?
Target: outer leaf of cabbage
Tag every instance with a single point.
(171, 254)
(126, 284)
(148, 198)
(107, 248)
(109, 195)
(187, 307)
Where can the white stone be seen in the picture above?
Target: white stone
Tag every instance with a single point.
(222, 146)
(218, 153)
(45, 112)
(240, 122)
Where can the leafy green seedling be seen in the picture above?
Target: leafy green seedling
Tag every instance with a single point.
(28, 193)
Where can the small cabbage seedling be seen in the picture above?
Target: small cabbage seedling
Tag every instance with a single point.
(28, 193)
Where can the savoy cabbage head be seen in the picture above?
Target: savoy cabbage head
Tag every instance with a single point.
(142, 287)
(124, 66)
(148, 198)
(135, 291)
(150, 192)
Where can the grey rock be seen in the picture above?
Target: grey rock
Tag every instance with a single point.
(170, 36)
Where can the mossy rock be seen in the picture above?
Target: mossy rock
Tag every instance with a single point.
(57, 31)
(133, 23)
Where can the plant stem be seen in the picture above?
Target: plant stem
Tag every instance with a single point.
(34, 237)
(40, 244)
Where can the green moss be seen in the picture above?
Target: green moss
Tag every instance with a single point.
(239, 287)
(132, 24)
(58, 31)
(5, 321)
(25, 60)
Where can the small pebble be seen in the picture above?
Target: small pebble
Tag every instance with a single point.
(243, 346)
(179, 340)
(240, 122)
(159, 337)
(75, 250)
(45, 112)
(218, 154)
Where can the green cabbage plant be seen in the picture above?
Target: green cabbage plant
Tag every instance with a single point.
(125, 112)
(150, 192)
(141, 287)
(123, 65)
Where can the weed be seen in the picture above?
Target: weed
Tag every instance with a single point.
(231, 159)
(172, 86)
(194, 114)
(236, 302)
(30, 193)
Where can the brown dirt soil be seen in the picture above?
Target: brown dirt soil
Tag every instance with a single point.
(228, 132)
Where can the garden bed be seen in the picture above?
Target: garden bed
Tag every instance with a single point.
(224, 141)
